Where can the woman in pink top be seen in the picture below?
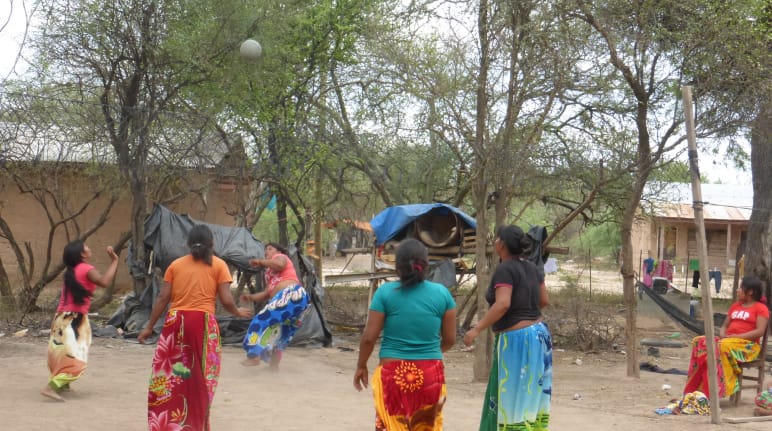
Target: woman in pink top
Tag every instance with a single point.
(272, 329)
(70, 330)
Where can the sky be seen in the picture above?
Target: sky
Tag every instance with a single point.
(12, 21)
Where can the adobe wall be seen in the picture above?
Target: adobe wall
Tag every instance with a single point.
(29, 223)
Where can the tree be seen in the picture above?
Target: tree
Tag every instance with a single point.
(44, 162)
(132, 60)
(646, 44)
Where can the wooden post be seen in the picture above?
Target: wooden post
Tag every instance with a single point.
(589, 253)
(373, 282)
(699, 221)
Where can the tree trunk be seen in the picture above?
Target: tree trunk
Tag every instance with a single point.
(758, 257)
(318, 249)
(6, 293)
(138, 268)
(481, 183)
(281, 216)
(482, 354)
(628, 285)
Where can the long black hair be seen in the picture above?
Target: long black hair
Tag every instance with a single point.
(72, 256)
(201, 243)
(515, 240)
(412, 262)
(751, 285)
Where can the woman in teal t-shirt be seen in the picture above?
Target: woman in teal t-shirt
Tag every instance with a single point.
(418, 320)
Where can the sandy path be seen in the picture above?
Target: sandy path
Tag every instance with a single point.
(314, 392)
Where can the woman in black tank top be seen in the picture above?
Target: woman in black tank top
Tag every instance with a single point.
(520, 399)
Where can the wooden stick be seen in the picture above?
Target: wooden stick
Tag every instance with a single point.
(748, 419)
(702, 249)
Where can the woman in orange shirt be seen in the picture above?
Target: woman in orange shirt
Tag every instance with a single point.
(186, 364)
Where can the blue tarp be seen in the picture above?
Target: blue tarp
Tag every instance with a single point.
(390, 222)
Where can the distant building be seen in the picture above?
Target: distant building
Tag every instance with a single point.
(666, 229)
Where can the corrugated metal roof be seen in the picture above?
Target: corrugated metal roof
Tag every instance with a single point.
(724, 202)
(709, 212)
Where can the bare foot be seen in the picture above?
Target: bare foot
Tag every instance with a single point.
(758, 411)
(251, 362)
(50, 393)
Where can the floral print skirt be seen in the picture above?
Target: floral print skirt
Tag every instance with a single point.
(186, 367)
(729, 351)
(409, 395)
(68, 348)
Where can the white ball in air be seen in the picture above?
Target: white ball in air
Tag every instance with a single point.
(250, 49)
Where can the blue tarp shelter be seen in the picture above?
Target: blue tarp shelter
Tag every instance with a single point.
(390, 222)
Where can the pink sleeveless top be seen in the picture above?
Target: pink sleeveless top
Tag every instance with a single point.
(272, 278)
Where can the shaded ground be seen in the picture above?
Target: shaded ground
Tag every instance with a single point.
(314, 388)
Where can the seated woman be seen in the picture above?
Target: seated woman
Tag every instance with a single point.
(738, 341)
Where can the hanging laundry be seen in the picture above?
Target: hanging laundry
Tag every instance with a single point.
(715, 275)
(648, 268)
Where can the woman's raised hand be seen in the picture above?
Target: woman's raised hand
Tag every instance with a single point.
(111, 253)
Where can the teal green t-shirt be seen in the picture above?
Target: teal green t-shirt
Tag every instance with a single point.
(413, 319)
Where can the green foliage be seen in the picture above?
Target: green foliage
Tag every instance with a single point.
(529, 214)
(675, 171)
(267, 228)
(597, 241)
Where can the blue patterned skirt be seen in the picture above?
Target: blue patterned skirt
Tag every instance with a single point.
(273, 327)
(520, 383)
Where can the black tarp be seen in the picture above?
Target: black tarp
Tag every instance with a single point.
(538, 255)
(684, 319)
(166, 234)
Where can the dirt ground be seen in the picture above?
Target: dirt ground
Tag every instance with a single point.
(314, 388)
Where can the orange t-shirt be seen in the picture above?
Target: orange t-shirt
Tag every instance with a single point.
(194, 283)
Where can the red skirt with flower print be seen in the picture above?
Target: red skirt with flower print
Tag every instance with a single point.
(409, 395)
(186, 366)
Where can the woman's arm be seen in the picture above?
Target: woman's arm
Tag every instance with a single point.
(370, 335)
(497, 310)
(544, 299)
(104, 280)
(448, 330)
(224, 293)
(277, 263)
(758, 332)
(256, 297)
(161, 301)
(724, 326)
